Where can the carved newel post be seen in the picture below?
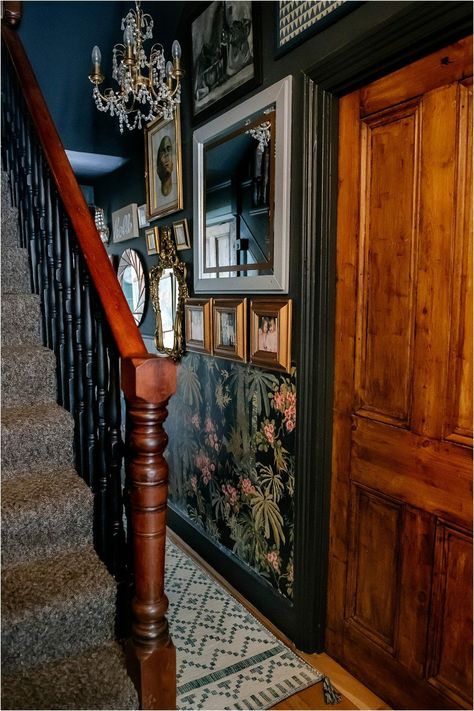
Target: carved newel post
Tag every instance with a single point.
(148, 383)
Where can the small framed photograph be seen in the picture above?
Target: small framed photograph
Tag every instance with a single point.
(163, 175)
(229, 328)
(125, 223)
(198, 325)
(152, 238)
(181, 234)
(270, 333)
(142, 221)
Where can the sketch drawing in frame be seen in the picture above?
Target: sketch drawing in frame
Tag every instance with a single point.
(198, 325)
(163, 172)
(181, 235)
(152, 238)
(225, 60)
(229, 328)
(270, 333)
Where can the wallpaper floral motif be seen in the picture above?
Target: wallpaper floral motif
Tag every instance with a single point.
(231, 460)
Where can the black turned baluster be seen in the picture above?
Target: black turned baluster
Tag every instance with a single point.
(30, 201)
(43, 252)
(59, 297)
(51, 292)
(101, 518)
(36, 245)
(80, 432)
(68, 310)
(23, 194)
(15, 141)
(114, 465)
(5, 127)
(88, 375)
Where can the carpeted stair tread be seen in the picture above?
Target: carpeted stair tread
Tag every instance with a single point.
(21, 317)
(44, 512)
(96, 679)
(15, 271)
(54, 607)
(36, 435)
(10, 226)
(28, 375)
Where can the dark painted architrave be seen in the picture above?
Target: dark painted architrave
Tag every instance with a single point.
(249, 584)
(419, 29)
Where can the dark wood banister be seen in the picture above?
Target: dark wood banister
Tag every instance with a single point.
(148, 382)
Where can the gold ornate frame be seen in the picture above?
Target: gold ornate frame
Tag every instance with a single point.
(236, 347)
(168, 259)
(155, 207)
(278, 356)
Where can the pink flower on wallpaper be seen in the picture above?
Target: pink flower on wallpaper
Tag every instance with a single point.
(231, 493)
(247, 486)
(209, 425)
(274, 560)
(290, 418)
(206, 467)
(279, 401)
(212, 441)
(269, 431)
(196, 422)
(194, 482)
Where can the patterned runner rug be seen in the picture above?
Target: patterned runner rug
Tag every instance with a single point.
(226, 659)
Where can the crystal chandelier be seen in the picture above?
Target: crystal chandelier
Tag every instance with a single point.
(145, 96)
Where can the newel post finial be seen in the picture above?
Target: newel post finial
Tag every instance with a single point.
(12, 12)
(148, 383)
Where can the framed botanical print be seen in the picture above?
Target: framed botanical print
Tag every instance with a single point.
(229, 328)
(226, 63)
(270, 333)
(163, 174)
(152, 238)
(181, 235)
(198, 325)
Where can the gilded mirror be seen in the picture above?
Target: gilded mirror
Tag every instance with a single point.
(241, 209)
(168, 293)
(131, 276)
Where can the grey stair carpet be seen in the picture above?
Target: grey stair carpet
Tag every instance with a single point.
(58, 599)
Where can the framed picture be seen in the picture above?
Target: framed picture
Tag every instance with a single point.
(229, 328)
(142, 221)
(297, 21)
(198, 325)
(270, 333)
(226, 63)
(181, 234)
(125, 223)
(152, 238)
(163, 174)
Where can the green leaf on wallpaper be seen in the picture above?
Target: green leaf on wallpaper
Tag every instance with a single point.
(267, 516)
(189, 387)
(259, 383)
(270, 482)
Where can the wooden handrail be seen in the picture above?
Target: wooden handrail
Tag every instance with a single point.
(122, 324)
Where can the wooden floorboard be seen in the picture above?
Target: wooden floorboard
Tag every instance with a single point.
(354, 694)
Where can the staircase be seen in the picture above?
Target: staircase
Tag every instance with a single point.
(58, 599)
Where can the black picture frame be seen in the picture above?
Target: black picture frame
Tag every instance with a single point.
(225, 91)
(341, 8)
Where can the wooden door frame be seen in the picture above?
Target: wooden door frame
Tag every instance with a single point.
(419, 29)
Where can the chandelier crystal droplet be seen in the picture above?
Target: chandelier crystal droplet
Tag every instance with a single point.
(148, 88)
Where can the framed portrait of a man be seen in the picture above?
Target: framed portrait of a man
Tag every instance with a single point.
(163, 174)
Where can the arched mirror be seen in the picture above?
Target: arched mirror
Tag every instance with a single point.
(131, 276)
(168, 293)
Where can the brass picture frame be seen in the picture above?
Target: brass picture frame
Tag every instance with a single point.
(152, 239)
(181, 234)
(229, 329)
(163, 172)
(270, 333)
(198, 325)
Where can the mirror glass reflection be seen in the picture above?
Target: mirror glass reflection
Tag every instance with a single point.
(239, 196)
(131, 277)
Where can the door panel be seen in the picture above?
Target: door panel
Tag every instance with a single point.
(400, 575)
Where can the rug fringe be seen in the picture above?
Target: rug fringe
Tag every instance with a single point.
(331, 694)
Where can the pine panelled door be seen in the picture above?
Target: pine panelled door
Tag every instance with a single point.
(400, 576)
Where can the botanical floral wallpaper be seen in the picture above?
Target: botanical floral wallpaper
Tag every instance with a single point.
(231, 457)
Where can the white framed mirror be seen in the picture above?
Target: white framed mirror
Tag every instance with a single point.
(242, 164)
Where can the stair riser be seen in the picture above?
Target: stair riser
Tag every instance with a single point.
(63, 630)
(28, 376)
(37, 444)
(21, 319)
(14, 270)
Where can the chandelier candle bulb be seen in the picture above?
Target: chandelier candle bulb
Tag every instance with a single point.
(147, 89)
